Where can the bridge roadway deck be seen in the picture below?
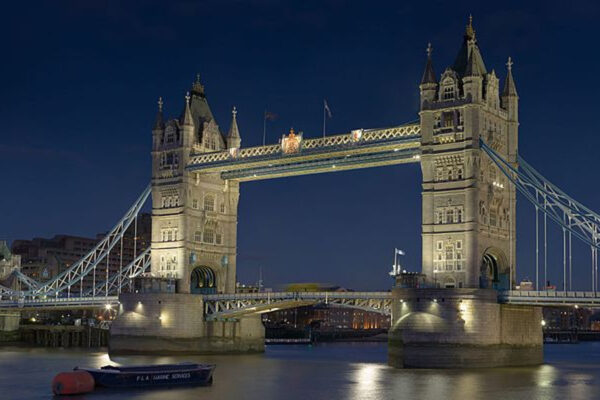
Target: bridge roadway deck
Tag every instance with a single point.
(243, 303)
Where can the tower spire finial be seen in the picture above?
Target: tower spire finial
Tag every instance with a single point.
(160, 104)
(429, 50)
(234, 112)
(198, 77)
(187, 98)
(469, 31)
(509, 63)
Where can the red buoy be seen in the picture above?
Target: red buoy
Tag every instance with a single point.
(75, 382)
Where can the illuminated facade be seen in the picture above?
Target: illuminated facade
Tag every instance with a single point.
(468, 206)
(194, 216)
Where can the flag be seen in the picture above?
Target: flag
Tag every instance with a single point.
(327, 109)
(398, 251)
(269, 116)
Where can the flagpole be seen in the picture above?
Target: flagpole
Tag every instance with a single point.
(264, 127)
(324, 117)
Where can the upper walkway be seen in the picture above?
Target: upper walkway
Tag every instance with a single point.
(361, 148)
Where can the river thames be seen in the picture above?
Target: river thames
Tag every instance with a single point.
(324, 371)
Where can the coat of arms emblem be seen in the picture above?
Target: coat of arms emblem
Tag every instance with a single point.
(291, 143)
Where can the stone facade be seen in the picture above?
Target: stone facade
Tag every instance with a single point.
(194, 215)
(171, 323)
(468, 206)
(462, 328)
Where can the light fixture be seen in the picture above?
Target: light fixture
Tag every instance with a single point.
(108, 307)
(543, 323)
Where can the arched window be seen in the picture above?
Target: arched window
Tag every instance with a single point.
(459, 173)
(448, 92)
(218, 238)
(209, 202)
(209, 235)
(198, 236)
(459, 215)
(449, 216)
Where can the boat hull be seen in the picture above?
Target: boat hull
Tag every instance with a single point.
(147, 377)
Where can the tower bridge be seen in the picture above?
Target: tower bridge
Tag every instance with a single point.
(466, 141)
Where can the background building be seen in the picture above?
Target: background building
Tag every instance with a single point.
(44, 258)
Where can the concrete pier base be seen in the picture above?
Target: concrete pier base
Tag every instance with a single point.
(462, 328)
(173, 323)
(9, 326)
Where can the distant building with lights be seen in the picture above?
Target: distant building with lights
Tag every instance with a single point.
(8, 261)
(326, 317)
(567, 318)
(44, 258)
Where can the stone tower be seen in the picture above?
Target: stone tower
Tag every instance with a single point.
(468, 205)
(194, 215)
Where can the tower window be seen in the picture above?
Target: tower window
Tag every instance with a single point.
(448, 120)
(209, 236)
(448, 93)
(209, 202)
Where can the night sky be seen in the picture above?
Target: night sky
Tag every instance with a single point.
(80, 81)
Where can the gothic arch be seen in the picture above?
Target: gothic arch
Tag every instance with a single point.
(495, 270)
(203, 280)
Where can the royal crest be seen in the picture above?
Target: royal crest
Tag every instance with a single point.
(290, 144)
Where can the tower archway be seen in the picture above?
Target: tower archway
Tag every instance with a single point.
(494, 271)
(203, 280)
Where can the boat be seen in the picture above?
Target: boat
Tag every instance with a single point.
(151, 375)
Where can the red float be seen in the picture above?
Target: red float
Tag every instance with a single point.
(75, 382)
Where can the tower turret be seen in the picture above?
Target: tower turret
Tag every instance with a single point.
(428, 84)
(510, 102)
(187, 124)
(234, 140)
(159, 126)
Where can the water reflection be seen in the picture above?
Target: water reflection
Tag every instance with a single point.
(335, 371)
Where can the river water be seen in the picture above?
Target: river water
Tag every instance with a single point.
(324, 371)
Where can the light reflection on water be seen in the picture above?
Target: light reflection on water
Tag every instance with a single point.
(331, 371)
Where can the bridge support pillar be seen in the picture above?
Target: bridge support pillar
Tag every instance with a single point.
(462, 328)
(9, 326)
(173, 323)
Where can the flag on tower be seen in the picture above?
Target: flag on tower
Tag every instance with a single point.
(398, 251)
(269, 116)
(327, 109)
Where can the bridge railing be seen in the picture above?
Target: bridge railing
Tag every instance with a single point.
(359, 136)
(298, 295)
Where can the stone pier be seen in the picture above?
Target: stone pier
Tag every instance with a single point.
(462, 328)
(173, 323)
(9, 326)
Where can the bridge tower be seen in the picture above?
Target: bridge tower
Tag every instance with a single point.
(194, 215)
(468, 206)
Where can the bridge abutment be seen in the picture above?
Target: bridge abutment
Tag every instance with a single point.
(173, 323)
(9, 326)
(462, 328)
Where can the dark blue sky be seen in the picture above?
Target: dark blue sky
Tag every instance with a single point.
(80, 81)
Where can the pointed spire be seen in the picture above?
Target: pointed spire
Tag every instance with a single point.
(159, 122)
(187, 113)
(468, 49)
(233, 137)
(510, 88)
(428, 74)
(473, 68)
